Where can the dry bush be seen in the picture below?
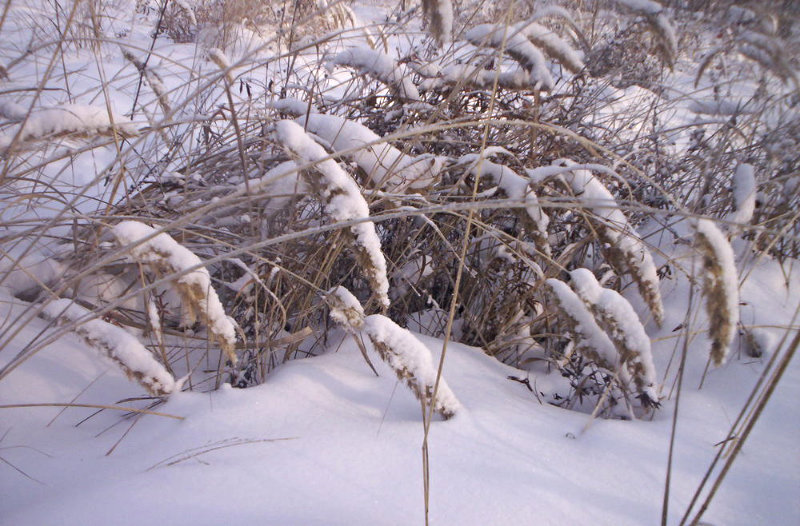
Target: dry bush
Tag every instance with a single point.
(425, 142)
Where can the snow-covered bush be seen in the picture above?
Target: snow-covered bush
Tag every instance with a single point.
(449, 179)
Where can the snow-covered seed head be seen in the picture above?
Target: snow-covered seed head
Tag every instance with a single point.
(720, 287)
(345, 309)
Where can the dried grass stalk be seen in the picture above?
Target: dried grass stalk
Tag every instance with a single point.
(720, 287)
(343, 202)
(153, 79)
(116, 343)
(166, 257)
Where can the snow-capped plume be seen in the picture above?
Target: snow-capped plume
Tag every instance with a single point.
(218, 57)
(439, 16)
(552, 44)
(744, 194)
(345, 309)
(517, 46)
(116, 343)
(626, 252)
(385, 165)
(720, 287)
(343, 201)
(409, 358)
(615, 315)
(515, 187)
(76, 120)
(382, 67)
(166, 257)
(412, 362)
(589, 338)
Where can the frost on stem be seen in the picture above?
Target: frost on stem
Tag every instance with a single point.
(510, 41)
(166, 257)
(625, 251)
(398, 347)
(617, 318)
(382, 67)
(720, 287)
(343, 202)
(116, 343)
(412, 362)
(515, 187)
(75, 120)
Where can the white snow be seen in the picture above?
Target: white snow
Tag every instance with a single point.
(621, 323)
(744, 194)
(514, 185)
(407, 353)
(67, 118)
(552, 44)
(586, 326)
(517, 46)
(385, 165)
(620, 233)
(382, 67)
(724, 256)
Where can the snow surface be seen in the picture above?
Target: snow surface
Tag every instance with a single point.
(324, 441)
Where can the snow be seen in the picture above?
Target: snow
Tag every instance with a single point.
(345, 308)
(619, 233)
(514, 185)
(586, 327)
(553, 44)
(728, 280)
(324, 440)
(744, 194)
(386, 166)
(382, 67)
(517, 46)
(622, 324)
(644, 7)
(411, 360)
(149, 247)
(327, 442)
(67, 118)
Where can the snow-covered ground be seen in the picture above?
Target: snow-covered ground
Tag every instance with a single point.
(324, 441)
